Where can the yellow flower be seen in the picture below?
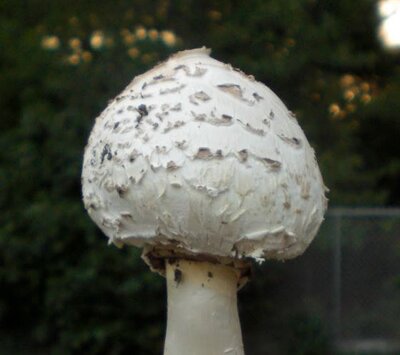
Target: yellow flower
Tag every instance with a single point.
(141, 32)
(87, 56)
(74, 59)
(129, 39)
(74, 43)
(334, 109)
(347, 80)
(349, 95)
(153, 35)
(168, 37)
(97, 40)
(365, 86)
(133, 52)
(366, 98)
(50, 42)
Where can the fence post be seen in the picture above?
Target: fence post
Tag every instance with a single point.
(337, 276)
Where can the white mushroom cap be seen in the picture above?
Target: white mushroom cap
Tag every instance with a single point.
(197, 155)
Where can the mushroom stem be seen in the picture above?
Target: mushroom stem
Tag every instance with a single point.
(203, 317)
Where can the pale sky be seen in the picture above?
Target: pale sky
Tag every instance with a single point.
(389, 31)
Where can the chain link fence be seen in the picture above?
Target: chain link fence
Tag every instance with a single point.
(341, 297)
(366, 279)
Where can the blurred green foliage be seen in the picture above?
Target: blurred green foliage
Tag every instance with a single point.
(307, 336)
(62, 289)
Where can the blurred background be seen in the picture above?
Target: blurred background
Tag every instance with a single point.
(336, 64)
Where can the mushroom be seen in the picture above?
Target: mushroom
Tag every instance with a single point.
(206, 170)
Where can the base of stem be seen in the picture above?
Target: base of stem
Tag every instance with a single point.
(202, 309)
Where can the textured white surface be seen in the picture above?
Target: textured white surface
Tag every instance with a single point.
(196, 153)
